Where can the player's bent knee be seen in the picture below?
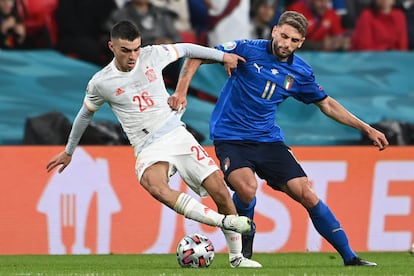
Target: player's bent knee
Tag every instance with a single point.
(246, 194)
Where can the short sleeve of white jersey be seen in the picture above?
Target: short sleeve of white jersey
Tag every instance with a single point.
(164, 54)
(92, 99)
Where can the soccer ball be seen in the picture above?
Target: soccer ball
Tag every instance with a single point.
(195, 250)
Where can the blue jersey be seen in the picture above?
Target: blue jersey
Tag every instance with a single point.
(247, 105)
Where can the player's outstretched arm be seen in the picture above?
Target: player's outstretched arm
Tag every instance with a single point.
(190, 50)
(190, 66)
(79, 126)
(336, 111)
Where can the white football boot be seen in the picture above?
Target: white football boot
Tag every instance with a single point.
(239, 224)
(243, 262)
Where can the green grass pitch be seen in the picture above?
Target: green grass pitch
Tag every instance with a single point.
(290, 264)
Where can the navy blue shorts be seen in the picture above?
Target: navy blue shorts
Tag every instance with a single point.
(272, 162)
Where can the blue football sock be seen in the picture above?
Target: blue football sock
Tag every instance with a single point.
(329, 228)
(245, 209)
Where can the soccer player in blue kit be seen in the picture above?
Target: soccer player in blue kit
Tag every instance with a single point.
(246, 138)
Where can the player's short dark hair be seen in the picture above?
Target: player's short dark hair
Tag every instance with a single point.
(296, 20)
(125, 30)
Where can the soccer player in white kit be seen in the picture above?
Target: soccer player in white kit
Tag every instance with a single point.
(133, 86)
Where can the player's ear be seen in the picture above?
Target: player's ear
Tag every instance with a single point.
(111, 45)
(301, 42)
(274, 30)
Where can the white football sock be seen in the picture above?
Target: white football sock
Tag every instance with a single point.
(192, 209)
(234, 243)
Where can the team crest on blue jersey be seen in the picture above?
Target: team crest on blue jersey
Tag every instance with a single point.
(151, 75)
(228, 46)
(288, 82)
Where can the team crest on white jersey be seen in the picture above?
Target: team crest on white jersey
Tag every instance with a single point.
(119, 91)
(151, 75)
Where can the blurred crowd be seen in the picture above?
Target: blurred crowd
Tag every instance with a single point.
(80, 28)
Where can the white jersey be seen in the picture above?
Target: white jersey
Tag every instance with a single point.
(139, 97)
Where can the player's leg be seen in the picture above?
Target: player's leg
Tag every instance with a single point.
(202, 175)
(244, 184)
(241, 179)
(183, 153)
(324, 220)
(155, 180)
(322, 217)
(280, 169)
(217, 189)
(284, 173)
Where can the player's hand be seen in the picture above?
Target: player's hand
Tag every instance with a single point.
(61, 159)
(378, 138)
(231, 61)
(177, 101)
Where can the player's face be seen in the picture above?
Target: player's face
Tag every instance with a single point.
(126, 53)
(286, 39)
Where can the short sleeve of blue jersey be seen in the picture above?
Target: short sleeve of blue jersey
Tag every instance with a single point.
(304, 87)
(309, 91)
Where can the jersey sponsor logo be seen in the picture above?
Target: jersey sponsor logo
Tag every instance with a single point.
(257, 67)
(288, 82)
(151, 75)
(228, 46)
(119, 91)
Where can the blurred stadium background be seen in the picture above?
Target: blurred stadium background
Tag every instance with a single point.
(44, 87)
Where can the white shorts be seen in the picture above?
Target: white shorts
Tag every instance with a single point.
(184, 154)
